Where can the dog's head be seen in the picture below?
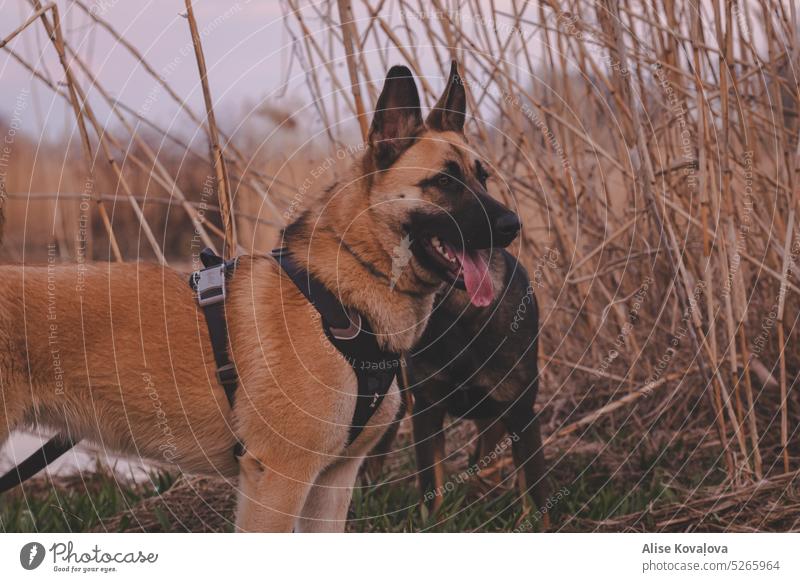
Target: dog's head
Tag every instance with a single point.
(429, 187)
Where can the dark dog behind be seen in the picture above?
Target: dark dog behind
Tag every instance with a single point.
(480, 363)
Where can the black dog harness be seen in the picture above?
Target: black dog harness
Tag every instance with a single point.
(351, 334)
(345, 328)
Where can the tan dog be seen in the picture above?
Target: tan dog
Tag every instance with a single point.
(120, 353)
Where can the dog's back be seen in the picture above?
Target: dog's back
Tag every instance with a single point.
(112, 353)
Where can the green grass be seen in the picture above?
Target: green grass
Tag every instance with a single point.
(393, 508)
(73, 506)
(595, 496)
(593, 489)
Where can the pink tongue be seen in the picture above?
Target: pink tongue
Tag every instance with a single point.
(476, 277)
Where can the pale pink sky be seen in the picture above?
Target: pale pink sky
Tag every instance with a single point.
(246, 45)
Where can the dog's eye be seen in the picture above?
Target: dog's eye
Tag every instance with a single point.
(444, 180)
(481, 172)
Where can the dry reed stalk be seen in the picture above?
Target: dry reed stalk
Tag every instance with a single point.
(705, 203)
(647, 180)
(33, 18)
(224, 192)
(582, 368)
(78, 104)
(154, 199)
(55, 34)
(250, 178)
(311, 43)
(750, 416)
(347, 23)
(700, 508)
(162, 177)
(782, 343)
(734, 307)
(596, 415)
(103, 137)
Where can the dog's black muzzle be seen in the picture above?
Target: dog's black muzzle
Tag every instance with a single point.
(480, 223)
(503, 224)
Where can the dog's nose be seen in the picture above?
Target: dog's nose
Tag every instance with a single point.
(507, 225)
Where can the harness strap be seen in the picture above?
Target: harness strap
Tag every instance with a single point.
(209, 283)
(36, 461)
(352, 335)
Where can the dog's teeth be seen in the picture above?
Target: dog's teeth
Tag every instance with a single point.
(441, 249)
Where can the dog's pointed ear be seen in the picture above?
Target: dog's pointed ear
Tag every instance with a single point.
(450, 111)
(397, 119)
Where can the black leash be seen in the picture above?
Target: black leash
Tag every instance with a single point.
(38, 460)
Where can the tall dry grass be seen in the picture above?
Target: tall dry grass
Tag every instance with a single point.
(651, 148)
(653, 151)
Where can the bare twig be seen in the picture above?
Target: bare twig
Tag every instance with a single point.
(224, 192)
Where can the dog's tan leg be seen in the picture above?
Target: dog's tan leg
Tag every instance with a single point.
(490, 433)
(327, 503)
(375, 460)
(271, 498)
(528, 450)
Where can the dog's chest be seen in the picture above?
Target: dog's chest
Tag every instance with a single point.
(459, 352)
(471, 361)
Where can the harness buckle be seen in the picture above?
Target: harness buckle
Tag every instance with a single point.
(227, 374)
(351, 331)
(210, 285)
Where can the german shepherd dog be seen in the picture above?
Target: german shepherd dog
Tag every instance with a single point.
(120, 354)
(481, 363)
